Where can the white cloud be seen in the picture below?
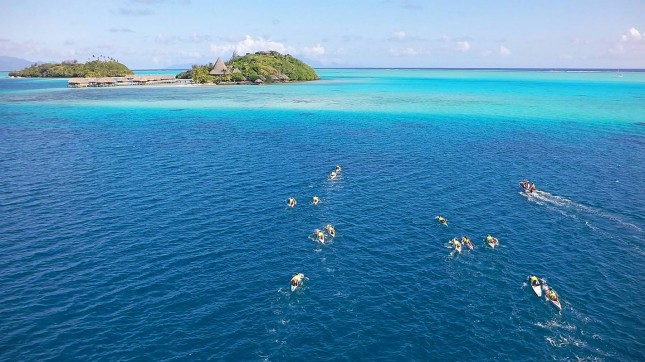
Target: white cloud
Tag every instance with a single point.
(504, 51)
(222, 49)
(165, 39)
(36, 52)
(198, 38)
(251, 45)
(617, 49)
(635, 33)
(405, 52)
(410, 5)
(190, 54)
(449, 43)
(630, 44)
(121, 30)
(315, 51)
(399, 35)
(632, 35)
(463, 46)
(132, 12)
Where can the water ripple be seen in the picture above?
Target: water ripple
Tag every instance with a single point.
(141, 232)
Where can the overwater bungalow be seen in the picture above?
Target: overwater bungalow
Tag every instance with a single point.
(78, 82)
(124, 81)
(105, 82)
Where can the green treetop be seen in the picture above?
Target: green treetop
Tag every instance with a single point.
(71, 68)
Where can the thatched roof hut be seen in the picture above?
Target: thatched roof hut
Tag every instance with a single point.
(105, 81)
(77, 82)
(139, 79)
(219, 68)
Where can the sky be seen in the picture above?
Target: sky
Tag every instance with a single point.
(158, 34)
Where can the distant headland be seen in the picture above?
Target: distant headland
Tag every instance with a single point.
(263, 67)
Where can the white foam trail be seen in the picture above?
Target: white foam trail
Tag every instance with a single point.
(562, 205)
(552, 324)
(563, 341)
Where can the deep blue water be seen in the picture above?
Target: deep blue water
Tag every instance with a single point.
(151, 223)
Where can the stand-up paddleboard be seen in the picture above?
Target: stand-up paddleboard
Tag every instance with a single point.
(536, 285)
(551, 296)
(296, 281)
(442, 220)
(491, 241)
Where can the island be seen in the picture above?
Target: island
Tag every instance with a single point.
(106, 67)
(260, 67)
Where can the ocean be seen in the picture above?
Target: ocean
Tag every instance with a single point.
(150, 223)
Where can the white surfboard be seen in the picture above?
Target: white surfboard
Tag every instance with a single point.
(556, 303)
(298, 278)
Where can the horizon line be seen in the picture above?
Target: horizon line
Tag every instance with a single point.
(454, 68)
(440, 68)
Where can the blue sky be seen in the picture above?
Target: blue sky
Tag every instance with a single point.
(153, 34)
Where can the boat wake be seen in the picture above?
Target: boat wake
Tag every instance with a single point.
(574, 210)
(563, 341)
(553, 324)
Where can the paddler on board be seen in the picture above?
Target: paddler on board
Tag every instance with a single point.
(491, 241)
(330, 230)
(535, 281)
(466, 241)
(442, 220)
(291, 202)
(550, 293)
(319, 235)
(456, 244)
(296, 281)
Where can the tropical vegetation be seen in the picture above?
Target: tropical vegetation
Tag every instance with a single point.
(268, 67)
(106, 67)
